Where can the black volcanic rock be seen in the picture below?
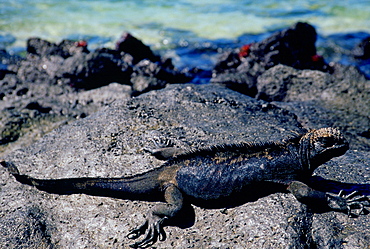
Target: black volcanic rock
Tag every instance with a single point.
(294, 46)
(362, 50)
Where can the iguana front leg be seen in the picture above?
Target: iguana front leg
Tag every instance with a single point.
(340, 202)
(152, 229)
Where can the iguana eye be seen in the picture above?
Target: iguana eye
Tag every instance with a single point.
(327, 141)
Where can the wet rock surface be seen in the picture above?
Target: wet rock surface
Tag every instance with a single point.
(111, 142)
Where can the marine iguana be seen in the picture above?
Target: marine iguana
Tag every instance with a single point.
(216, 174)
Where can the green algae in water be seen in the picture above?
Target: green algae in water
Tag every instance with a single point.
(55, 20)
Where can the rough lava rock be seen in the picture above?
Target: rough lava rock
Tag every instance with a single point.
(362, 50)
(320, 99)
(96, 69)
(111, 142)
(133, 46)
(285, 68)
(28, 110)
(70, 62)
(294, 46)
(42, 91)
(65, 48)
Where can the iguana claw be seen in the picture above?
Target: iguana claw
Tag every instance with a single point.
(152, 229)
(164, 149)
(161, 142)
(355, 201)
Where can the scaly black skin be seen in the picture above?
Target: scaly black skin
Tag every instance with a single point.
(216, 175)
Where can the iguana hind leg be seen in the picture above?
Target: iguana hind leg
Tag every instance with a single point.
(152, 229)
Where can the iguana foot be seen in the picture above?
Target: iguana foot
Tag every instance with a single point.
(349, 203)
(152, 229)
(160, 142)
(163, 148)
(355, 201)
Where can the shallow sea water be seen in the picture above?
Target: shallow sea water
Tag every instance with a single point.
(189, 31)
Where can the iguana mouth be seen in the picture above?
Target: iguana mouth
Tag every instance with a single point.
(336, 150)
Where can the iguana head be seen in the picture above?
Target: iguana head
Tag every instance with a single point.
(319, 146)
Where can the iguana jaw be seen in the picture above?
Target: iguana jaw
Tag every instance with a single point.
(327, 154)
(336, 150)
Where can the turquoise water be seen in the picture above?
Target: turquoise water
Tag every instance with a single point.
(161, 22)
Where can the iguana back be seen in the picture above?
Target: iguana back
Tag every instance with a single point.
(220, 171)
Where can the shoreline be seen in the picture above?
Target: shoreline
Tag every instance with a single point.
(203, 53)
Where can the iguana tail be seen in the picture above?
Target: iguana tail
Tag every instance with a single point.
(15, 172)
(139, 187)
(11, 167)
